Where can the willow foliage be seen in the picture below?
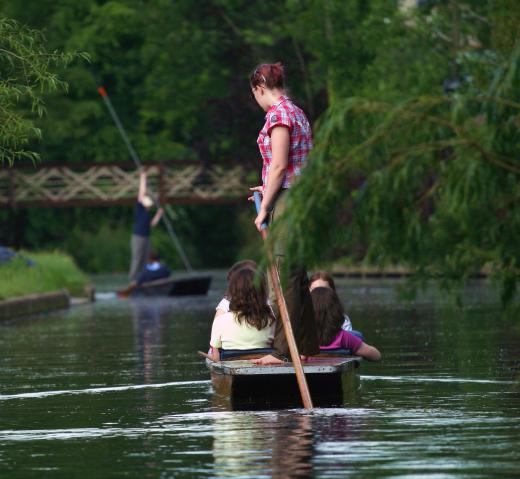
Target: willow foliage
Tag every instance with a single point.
(430, 182)
(26, 72)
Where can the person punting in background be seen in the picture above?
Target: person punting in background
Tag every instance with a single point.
(143, 223)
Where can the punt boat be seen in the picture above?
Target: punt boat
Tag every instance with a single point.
(331, 379)
(195, 284)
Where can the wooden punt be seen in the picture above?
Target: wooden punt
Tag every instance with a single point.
(242, 383)
(175, 286)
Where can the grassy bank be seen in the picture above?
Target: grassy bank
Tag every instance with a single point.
(50, 272)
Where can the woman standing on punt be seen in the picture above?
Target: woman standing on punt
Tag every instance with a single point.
(284, 141)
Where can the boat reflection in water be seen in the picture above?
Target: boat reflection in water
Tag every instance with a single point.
(255, 438)
(246, 444)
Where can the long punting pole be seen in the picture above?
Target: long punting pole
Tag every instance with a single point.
(284, 313)
(137, 161)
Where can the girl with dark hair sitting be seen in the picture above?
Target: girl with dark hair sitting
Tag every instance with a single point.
(322, 279)
(223, 305)
(249, 324)
(329, 315)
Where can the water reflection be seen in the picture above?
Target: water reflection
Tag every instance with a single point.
(245, 443)
(147, 320)
(293, 447)
(148, 317)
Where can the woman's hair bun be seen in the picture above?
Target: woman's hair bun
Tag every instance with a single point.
(269, 74)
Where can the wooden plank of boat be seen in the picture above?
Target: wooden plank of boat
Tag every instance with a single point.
(329, 380)
(175, 286)
(316, 365)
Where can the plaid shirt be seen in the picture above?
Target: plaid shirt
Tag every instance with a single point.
(285, 113)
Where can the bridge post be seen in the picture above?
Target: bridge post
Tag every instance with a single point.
(160, 184)
(11, 194)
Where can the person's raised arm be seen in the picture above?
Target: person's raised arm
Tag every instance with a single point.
(368, 352)
(157, 217)
(280, 140)
(142, 186)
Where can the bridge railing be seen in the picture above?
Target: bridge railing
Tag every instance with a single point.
(106, 184)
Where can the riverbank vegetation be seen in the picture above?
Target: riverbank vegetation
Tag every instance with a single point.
(50, 271)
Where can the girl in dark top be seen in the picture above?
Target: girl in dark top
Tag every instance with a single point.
(153, 270)
(329, 316)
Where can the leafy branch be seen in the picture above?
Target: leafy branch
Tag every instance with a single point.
(27, 73)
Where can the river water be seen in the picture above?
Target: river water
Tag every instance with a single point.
(115, 389)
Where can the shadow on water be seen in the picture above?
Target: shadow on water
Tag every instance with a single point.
(116, 389)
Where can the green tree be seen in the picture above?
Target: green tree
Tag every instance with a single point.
(27, 70)
(426, 178)
(415, 165)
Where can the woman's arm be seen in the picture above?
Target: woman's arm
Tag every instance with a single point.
(214, 353)
(215, 338)
(157, 217)
(142, 186)
(280, 139)
(368, 352)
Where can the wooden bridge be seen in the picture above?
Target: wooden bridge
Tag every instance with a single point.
(47, 185)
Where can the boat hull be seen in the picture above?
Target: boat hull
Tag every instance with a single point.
(177, 286)
(241, 383)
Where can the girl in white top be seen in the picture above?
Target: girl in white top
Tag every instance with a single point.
(249, 324)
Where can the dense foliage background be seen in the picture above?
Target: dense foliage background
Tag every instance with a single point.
(415, 106)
